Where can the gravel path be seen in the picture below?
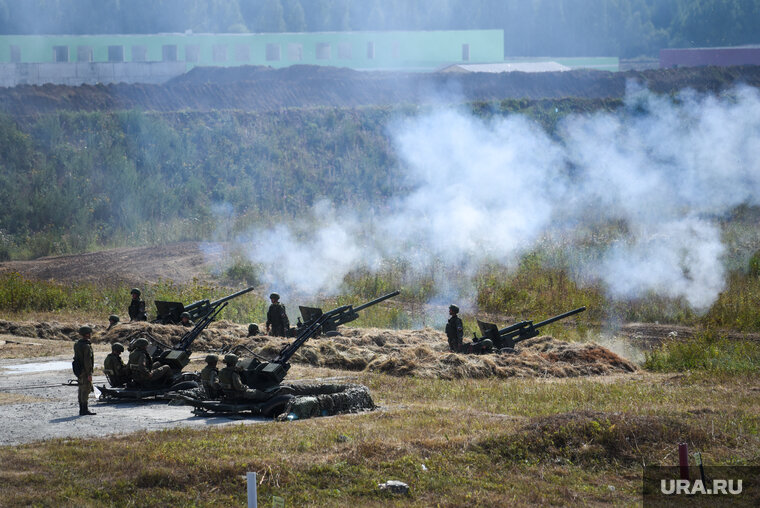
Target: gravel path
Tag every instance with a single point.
(50, 409)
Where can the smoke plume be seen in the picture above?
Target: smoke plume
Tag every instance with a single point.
(490, 190)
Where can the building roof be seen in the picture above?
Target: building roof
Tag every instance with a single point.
(507, 67)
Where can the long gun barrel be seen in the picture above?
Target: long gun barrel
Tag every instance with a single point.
(376, 301)
(170, 312)
(230, 297)
(338, 316)
(179, 356)
(511, 335)
(265, 374)
(561, 316)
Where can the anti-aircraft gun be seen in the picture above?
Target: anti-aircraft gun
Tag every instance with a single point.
(259, 374)
(267, 376)
(177, 357)
(511, 335)
(170, 312)
(335, 317)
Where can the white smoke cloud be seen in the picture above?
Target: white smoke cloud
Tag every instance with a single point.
(492, 189)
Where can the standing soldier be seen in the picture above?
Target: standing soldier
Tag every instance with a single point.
(277, 318)
(455, 334)
(137, 307)
(184, 319)
(84, 361)
(210, 377)
(114, 368)
(454, 329)
(141, 369)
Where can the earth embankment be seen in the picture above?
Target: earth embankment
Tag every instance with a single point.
(251, 88)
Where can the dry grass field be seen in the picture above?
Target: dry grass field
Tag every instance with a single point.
(453, 428)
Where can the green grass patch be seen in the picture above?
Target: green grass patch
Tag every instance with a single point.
(706, 352)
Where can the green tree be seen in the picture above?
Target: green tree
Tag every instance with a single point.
(293, 14)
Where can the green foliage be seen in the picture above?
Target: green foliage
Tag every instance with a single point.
(708, 351)
(624, 28)
(535, 289)
(736, 307)
(20, 295)
(242, 271)
(76, 181)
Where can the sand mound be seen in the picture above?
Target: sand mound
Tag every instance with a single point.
(420, 353)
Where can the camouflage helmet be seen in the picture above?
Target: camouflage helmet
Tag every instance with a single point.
(253, 329)
(230, 359)
(274, 296)
(135, 291)
(185, 315)
(454, 308)
(117, 347)
(140, 343)
(212, 358)
(85, 330)
(113, 318)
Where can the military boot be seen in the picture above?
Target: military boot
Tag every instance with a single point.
(83, 411)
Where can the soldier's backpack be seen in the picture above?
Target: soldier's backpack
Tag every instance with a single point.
(76, 366)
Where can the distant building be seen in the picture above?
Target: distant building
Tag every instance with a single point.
(506, 67)
(722, 57)
(73, 60)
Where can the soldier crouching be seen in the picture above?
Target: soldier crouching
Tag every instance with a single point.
(233, 387)
(210, 377)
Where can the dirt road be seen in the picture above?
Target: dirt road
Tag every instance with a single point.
(179, 262)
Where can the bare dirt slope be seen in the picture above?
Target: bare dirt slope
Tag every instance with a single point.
(265, 89)
(181, 262)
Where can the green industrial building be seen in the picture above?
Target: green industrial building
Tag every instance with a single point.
(155, 58)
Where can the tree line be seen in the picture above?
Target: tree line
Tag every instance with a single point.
(76, 181)
(624, 28)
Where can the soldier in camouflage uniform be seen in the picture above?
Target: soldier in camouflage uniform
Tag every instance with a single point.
(143, 372)
(277, 319)
(253, 330)
(455, 334)
(113, 320)
(114, 368)
(231, 384)
(210, 377)
(137, 307)
(84, 357)
(454, 329)
(184, 320)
